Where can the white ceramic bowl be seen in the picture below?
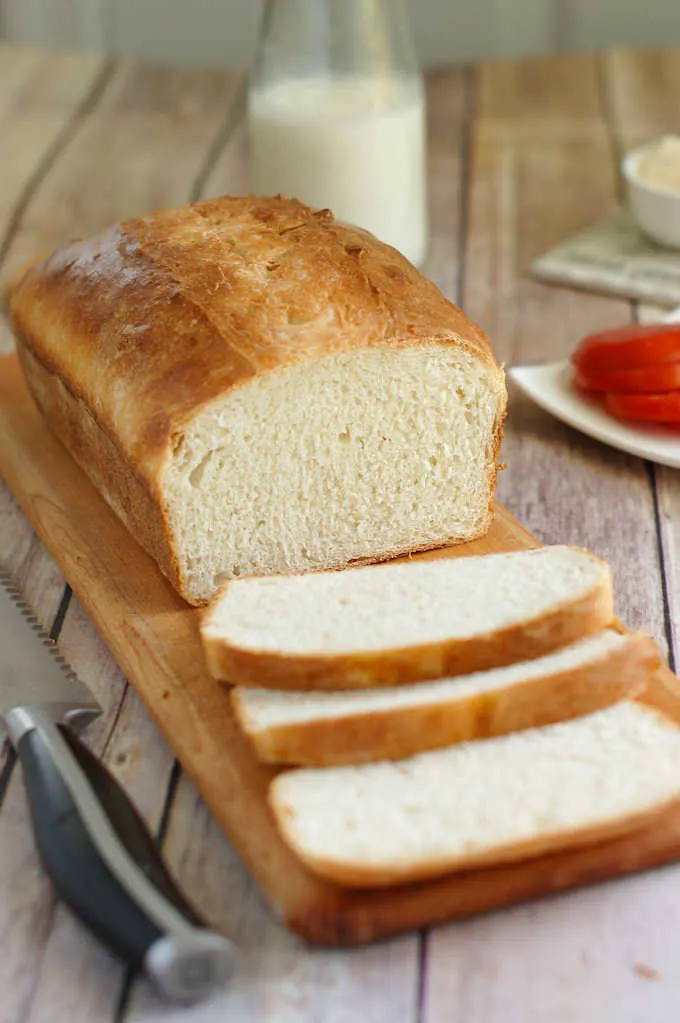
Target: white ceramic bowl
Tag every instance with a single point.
(656, 210)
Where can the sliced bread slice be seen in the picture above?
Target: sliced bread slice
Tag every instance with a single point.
(481, 803)
(360, 726)
(404, 621)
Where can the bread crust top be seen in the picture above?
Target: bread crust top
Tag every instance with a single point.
(152, 319)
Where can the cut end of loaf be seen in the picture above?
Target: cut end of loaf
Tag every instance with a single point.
(359, 456)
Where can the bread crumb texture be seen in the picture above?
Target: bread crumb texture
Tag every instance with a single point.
(407, 604)
(457, 803)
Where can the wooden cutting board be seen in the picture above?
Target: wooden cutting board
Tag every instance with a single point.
(153, 635)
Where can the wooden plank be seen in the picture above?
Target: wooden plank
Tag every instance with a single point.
(597, 956)
(49, 949)
(32, 129)
(30, 924)
(24, 557)
(542, 169)
(163, 125)
(69, 976)
(26, 907)
(278, 979)
(228, 172)
(138, 150)
(27, 903)
(42, 99)
(449, 96)
(78, 980)
(641, 89)
(40, 96)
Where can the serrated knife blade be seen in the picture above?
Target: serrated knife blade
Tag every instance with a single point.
(32, 672)
(92, 841)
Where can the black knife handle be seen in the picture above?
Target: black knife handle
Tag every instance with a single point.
(106, 866)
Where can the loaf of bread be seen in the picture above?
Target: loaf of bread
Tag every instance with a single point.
(480, 803)
(327, 729)
(255, 387)
(386, 625)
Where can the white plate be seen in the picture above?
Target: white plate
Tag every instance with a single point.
(550, 387)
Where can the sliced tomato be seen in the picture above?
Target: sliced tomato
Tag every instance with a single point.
(630, 347)
(645, 380)
(652, 408)
(585, 390)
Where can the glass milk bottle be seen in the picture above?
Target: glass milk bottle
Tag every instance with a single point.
(336, 115)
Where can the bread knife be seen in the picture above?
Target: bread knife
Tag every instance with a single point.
(92, 842)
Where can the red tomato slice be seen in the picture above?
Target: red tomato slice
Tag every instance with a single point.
(645, 380)
(586, 391)
(652, 408)
(629, 347)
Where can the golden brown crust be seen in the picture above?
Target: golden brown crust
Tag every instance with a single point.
(158, 316)
(398, 732)
(166, 312)
(565, 623)
(94, 451)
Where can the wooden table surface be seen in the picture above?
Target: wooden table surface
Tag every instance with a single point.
(521, 155)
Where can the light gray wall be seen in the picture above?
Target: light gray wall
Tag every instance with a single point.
(223, 31)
